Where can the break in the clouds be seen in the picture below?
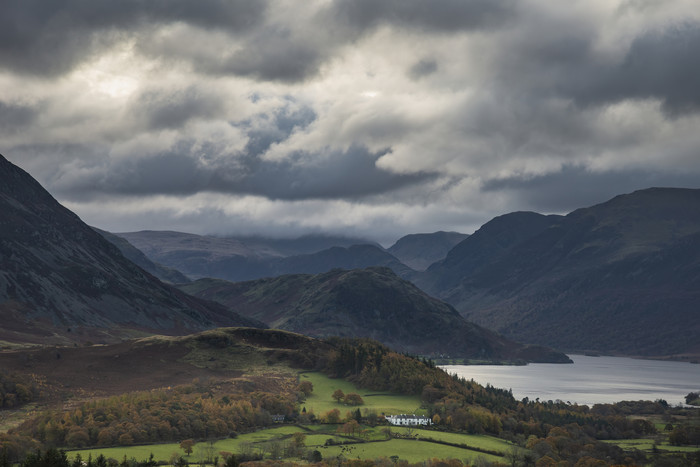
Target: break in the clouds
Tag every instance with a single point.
(376, 118)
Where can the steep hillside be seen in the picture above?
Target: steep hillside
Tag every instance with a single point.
(372, 302)
(622, 276)
(418, 251)
(60, 281)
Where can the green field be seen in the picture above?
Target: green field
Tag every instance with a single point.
(489, 443)
(321, 401)
(409, 450)
(647, 444)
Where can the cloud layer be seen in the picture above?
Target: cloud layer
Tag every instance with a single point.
(375, 118)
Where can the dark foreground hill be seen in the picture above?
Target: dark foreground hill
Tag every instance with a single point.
(60, 281)
(622, 276)
(161, 361)
(372, 302)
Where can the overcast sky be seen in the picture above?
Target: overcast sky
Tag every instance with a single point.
(375, 118)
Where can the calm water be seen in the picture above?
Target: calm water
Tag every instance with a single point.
(591, 380)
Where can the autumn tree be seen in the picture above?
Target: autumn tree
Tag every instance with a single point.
(187, 445)
(332, 416)
(306, 388)
(353, 398)
(338, 395)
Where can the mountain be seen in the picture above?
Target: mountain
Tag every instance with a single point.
(372, 302)
(619, 277)
(60, 281)
(137, 257)
(248, 258)
(418, 251)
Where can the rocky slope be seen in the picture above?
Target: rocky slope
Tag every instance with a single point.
(60, 281)
(372, 302)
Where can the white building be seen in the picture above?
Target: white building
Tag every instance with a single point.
(408, 420)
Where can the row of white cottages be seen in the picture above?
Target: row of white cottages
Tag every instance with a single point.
(408, 420)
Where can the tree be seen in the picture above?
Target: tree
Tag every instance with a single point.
(306, 388)
(332, 416)
(187, 445)
(338, 395)
(353, 398)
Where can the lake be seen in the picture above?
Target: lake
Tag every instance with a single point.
(590, 380)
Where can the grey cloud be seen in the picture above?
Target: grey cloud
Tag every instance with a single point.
(424, 67)
(574, 187)
(50, 38)
(173, 109)
(661, 65)
(273, 55)
(14, 117)
(436, 16)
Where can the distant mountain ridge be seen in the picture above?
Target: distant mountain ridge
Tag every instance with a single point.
(418, 251)
(372, 302)
(61, 282)
(619, 277)
(137, 257)
(248, 258)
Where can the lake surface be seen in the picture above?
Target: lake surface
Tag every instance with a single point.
(590, 380)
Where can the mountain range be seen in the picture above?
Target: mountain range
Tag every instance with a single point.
(578, 282)
(62, 282)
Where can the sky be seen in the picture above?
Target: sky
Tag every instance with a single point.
(371, 118)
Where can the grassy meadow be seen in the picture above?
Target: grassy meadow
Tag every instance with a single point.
(321, 401)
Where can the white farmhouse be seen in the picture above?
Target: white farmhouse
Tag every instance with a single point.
(408, 420)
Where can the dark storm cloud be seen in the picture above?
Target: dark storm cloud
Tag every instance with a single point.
(574, 186)
(174, 108)
(183, 171)
(437, 15)
(50, 38)
(350, 174)
(662, 65)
